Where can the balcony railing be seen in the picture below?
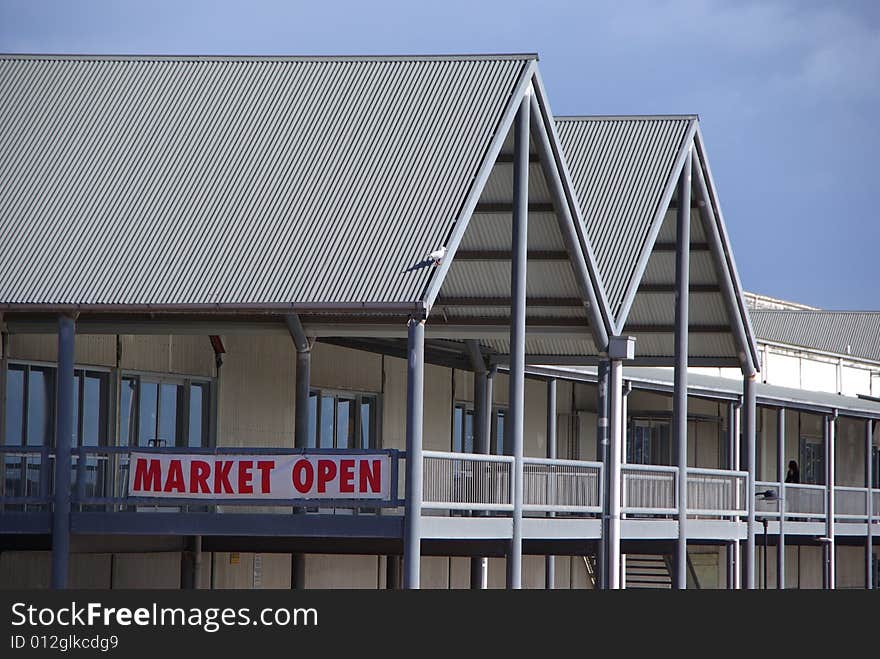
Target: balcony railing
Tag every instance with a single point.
(649, 490)
(566, 486)
(467, 481)
(452, 481)
(713, 492)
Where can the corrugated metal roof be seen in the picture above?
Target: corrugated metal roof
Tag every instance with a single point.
(620, 167)
(855, 333)
(208, 180)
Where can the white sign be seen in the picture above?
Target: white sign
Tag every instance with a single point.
(301, 476)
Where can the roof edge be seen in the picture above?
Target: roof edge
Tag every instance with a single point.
(627, 117)
(268, 58)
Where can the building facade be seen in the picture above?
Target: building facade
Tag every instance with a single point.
(411, 259)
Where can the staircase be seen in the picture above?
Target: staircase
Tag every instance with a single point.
(648, 572)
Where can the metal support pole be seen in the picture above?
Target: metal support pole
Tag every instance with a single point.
(518, 330)
(615, 433)
(550, 561)
(602, 456)
(63, 438)
(737, 465)
(869, 481)
(415, 391)
(830, 559)
(748, 423)
(780, 472)
(482, 429)
(679, 400)
(300, 422)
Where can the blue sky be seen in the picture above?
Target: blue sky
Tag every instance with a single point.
(788, 93)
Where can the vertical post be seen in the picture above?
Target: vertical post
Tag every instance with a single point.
(748, 423)
(301, 422)
(482, 429)
(415, 390)
(63, 438)
(829, 552)
(679, 400)
(869, 482)
(780, 472)
(737, 462)
(518, 330)
(550, 561)
(615, 432)
(602, 456)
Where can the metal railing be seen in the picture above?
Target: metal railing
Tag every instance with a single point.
(26, 478)
(467, 481)
(649, 489)
(805, 501)
(851, 503)
(562, 486)
(716, 492)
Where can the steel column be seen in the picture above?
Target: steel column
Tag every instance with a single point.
(737, 465)
(869, 481)
(829, 550)
(301, 422)
(482, 429)
(415, 392)
(518, 330)
(679, 400)
(63, 438)
(550, 561)
(748, 424)
(780, 472)
(730, 554)
(616, 437)
(392, 572)
(602, 456)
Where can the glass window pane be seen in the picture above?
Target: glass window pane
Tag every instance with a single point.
(94, 409)
(367, 417)
(126, 411)
(345, 424)
(499, 433)
(147, 412)
(198, 412)
(168, 413)
(469, 432)
(312, 441)
(77, 396)
(39, 406)
(14, 406)
(327, 421)
(456, 429)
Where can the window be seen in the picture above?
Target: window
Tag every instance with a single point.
(647, 442)
(164, 411)
(30, 406)
(343, 420)
(812, 466)
(463, 429)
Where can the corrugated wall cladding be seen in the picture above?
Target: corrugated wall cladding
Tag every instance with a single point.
(619, 168)
(236, 180)
(843, 332)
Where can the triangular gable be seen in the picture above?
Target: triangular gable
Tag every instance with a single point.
(638, 161)
(566, 312)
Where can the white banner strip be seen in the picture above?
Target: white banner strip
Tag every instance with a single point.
(301, 476)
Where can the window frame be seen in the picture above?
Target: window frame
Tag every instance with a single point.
(357, 398)
(496, 444)
(182, 421)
